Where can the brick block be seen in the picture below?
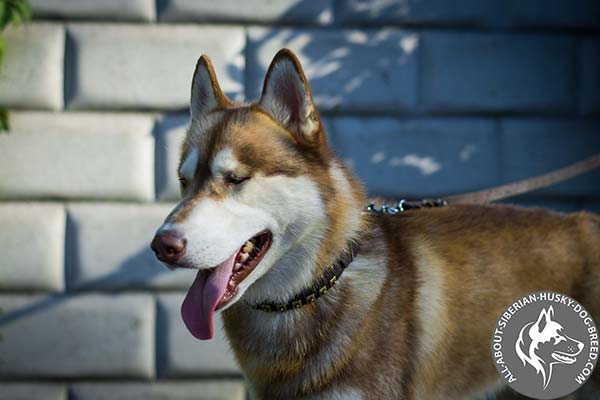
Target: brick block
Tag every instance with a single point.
(468, 13)
(282, 11)
(85, 336)
(32, 391)
(534, 146)
(109, 247)
(466, 72)
(589, 77)
(115, 10)
(172, 390)
(32, 246)
(347, 70)
(180, 354)
(170, 133)
(72, 155)
(32, 71)
(553, 14)
(148, 67)
(417, 158)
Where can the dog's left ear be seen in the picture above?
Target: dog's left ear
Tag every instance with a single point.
(286, 96)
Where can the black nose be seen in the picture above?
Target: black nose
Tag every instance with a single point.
(169, 246)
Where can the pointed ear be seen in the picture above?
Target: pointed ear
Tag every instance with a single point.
(542, 320)
(206, 92)
(286, 97)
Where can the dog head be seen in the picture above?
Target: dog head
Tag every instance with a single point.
(544, 343)
(262, 196)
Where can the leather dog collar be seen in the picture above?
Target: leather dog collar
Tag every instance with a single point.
(319, 287)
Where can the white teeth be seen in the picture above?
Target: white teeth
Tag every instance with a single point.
(248, 246)
(243, 257)
(238, 266)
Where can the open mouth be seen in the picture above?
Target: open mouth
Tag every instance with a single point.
(563, 358)
(215, 287)
(247, 258)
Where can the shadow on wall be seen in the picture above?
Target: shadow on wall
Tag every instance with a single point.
(403, 139)
(350, 71)
(371, 73)
(132, 273)
(137, 270)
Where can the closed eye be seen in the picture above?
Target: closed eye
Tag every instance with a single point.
(232, 179)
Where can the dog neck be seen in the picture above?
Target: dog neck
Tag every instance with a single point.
(319, 287)
(284, 354)
(288, 354)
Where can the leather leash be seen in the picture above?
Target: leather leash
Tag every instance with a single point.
(496, 193)
(527, 185)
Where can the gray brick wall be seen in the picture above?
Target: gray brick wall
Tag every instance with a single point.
(420, 97)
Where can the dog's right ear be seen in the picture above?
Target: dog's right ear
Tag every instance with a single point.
(206, 92)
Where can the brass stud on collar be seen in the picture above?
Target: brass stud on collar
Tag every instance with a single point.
(328, 279)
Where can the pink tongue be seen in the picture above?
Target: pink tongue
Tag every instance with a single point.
(199, 305)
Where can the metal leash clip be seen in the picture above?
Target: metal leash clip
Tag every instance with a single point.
(404, 205)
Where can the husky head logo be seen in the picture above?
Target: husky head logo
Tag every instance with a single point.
(544, 343)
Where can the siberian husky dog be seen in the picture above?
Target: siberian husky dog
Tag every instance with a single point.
(321, 300)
